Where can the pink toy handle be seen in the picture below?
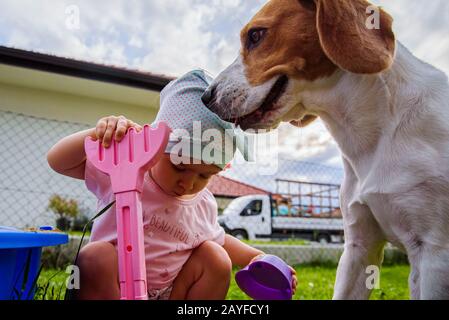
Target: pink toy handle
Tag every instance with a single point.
(130, 246)
(126, 163)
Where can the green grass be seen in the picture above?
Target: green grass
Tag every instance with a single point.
(317, 282)
(282, 242)
(314, 283)
(51, 285)
(79, 233)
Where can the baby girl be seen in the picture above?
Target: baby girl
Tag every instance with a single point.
(188, 255)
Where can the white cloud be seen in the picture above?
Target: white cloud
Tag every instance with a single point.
(312, 144)
(174, 36)
(162, 36)
(422, 26)
(135, 41)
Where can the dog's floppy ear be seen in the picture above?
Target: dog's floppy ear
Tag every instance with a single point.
(355, 35)
(308, 119)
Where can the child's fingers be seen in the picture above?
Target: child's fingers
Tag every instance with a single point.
(294, 284)
(294, 279)
(292, 270)
(113, 126)
(110, 128)
(100, 128)
(138, 127)
(122, 126)
(257, 257)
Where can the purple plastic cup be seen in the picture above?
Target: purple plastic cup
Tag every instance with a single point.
(268, 278)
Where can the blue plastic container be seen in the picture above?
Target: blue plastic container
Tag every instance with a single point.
(20, 259)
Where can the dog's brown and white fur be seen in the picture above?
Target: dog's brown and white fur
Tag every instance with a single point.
(387, 110)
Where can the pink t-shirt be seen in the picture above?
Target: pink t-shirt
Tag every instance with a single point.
(172, 226)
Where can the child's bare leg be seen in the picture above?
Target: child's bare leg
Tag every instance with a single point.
(98, 264)
(206, 275)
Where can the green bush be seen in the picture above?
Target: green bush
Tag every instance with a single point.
(66, 211)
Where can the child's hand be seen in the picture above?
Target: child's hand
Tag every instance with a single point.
(113, 126)
(294, 278)
(256, 258)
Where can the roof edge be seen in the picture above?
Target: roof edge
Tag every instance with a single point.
(81, 69)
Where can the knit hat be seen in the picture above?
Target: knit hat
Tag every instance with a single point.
(197, 132)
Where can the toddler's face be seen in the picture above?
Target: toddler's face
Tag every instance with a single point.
(182, 179)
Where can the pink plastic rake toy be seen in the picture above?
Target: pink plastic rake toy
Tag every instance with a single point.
(126, 163)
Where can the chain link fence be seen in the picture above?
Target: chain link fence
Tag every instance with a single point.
(26, 181)
(293, 212)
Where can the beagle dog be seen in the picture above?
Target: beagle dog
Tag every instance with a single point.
(387, 110)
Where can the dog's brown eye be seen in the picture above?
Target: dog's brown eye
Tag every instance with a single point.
(254, 37)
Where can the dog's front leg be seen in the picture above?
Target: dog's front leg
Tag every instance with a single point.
(363, 249)
(364, 243)
(434, 277)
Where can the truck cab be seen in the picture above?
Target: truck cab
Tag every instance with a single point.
(247, 217)
(311, 216)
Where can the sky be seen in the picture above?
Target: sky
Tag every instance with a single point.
(174, 36)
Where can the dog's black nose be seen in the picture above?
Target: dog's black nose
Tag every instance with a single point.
(207, 96)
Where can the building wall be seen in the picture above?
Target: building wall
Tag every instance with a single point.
(68, 107)
(32, 119)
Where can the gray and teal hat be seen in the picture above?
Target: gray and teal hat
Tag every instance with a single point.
(198, 133)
